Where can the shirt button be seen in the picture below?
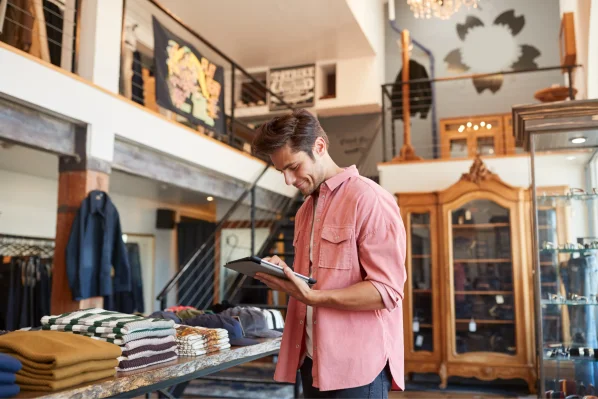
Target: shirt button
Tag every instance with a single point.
(297, 346)
(317, 220)
(314, 322)
(300, 321)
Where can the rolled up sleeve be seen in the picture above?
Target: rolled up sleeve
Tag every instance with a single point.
(381, 248)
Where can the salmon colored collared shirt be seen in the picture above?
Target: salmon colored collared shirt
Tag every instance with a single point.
(358, 236)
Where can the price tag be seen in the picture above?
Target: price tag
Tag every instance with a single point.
(472, 326)
(419, 340)
(416, 326)
(500, 299)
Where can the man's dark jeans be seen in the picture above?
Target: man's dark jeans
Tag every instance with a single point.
(377, 389)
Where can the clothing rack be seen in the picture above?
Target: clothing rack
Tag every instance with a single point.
(25, 280)
(26, 246)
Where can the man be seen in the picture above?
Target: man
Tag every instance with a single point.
(345, 333)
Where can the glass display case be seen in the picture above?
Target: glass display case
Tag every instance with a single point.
(565, 244)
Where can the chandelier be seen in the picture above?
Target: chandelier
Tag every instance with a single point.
(442, 9)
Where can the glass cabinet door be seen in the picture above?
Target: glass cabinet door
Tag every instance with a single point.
(484, 303)
(421, 282)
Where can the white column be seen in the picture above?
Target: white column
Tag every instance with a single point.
(100, 42)
(99, 62)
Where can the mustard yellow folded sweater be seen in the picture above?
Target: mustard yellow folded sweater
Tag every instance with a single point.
(50, 350)
(68, 371)
(34, 384)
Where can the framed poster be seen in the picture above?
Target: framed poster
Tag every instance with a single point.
(295, 85)
(186, 82)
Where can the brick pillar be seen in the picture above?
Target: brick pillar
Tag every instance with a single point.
(78, 176)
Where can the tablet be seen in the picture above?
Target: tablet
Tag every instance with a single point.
(252, 265)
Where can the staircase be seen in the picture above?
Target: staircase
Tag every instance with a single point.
(251, 292)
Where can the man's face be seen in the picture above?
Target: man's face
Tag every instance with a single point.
(299, 169)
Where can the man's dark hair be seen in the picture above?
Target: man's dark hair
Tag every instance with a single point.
(299, 130)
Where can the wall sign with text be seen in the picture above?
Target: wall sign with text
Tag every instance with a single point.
(186, 82)
(295, 85)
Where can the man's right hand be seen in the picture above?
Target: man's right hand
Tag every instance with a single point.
(275, 260)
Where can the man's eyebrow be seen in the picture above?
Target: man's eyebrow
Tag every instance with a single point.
(286, 167)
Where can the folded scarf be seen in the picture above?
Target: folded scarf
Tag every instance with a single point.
(8, 391)
(149, 341)
(143, 362)
(122, 323)
(68, 371)
(52, 349)
(139, 327)
(9, 363)
(195, 352)
(198, 333)
(7, 378)
(36, 384)
(146, 348)
(119, 339)
(146, 354)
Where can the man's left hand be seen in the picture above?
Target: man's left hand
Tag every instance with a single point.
(294, 286)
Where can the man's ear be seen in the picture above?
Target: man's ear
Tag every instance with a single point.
(320, 146)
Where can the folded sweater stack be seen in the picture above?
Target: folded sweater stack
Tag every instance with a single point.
(9, 366)
(52, 361)
(144, 342)
(196, 341)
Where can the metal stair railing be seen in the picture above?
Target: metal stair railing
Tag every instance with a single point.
(195, 284)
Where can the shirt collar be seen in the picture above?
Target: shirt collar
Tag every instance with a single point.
(338, 179)
(98, 201)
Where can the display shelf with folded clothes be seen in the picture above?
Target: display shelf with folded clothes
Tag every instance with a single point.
(125, 330)
(53, 360)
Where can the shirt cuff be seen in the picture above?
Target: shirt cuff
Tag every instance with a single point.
(390, 297)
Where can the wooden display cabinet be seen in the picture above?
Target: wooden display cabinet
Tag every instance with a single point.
(483, 135)
(481, 287)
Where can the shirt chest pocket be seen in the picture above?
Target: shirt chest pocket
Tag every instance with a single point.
(336, 248)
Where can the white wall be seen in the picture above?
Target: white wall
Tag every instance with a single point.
(551, 170)
(114, 115)
(28, 205)
(28, 208)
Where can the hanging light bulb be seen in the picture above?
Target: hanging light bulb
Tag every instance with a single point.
(476, 127)
(469, 124)
(489, 126)
(482, 123)
(461, 128)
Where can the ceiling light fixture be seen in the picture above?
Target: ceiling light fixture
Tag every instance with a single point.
(482, 123)
(210, 199)
(578, 140)
(442, 9)
(468, 124)
(570, 158)
(488, 126)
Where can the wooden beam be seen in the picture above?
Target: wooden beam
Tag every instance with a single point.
(145, 162)
(27, 126)
(407, 151)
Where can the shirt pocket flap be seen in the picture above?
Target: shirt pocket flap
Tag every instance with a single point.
(336, 235)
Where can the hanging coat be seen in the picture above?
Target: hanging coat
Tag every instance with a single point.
(420, 94)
